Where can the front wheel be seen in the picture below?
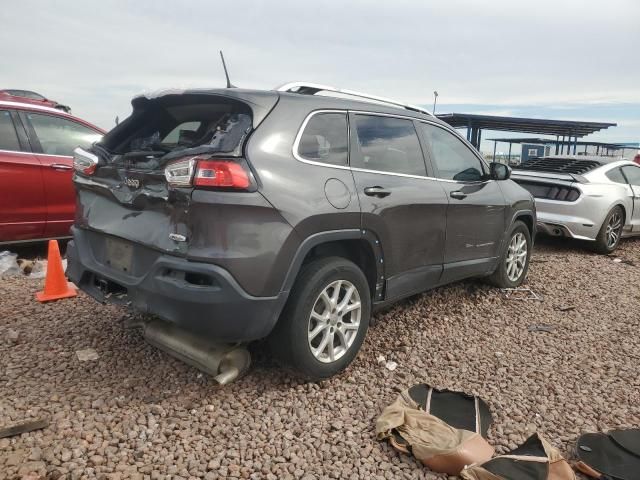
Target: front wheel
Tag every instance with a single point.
(610, 232)
(325, 320)
(514, 263)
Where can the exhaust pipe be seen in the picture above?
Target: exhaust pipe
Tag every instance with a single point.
(223, 361)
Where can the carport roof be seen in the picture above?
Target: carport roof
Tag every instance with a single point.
(538, 126)
(548, 141)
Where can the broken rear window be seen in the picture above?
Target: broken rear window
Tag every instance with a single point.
(167, 127)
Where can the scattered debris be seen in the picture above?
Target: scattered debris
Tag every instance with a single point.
(13, 336)
(499, 354)
(541, 328)
(26, 265)
(24, 427)
(381, 359)
(566, 308)
(39, 269)
(617, 260)
(521, 293)
(8, 265)
(391, 365)
(87, 354)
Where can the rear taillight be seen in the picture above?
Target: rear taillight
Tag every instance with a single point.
(84, 162)
(208, 172)
(224, 174)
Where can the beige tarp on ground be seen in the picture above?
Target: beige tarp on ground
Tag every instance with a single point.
(432, 441)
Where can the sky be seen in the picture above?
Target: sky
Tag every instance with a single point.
(561, 59)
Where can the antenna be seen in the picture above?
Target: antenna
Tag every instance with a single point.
(226, 73)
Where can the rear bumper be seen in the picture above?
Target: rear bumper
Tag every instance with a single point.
(580, 220)
(200, 297)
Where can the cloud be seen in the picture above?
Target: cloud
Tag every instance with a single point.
(96, 55)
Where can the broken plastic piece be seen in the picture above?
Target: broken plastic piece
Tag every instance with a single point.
(87, 354)
(521, 293)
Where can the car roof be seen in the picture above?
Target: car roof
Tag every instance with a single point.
(42, 108)
(32, 106)
(315, 102)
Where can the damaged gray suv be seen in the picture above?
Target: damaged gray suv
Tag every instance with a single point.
(244, 214)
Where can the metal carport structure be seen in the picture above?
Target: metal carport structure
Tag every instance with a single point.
(569, 130)
(606, 147)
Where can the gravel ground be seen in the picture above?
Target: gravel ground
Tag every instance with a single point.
(137, 413)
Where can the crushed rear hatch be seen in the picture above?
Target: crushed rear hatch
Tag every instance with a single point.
(128, 196)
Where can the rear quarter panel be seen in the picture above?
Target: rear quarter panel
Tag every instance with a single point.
(296, 189)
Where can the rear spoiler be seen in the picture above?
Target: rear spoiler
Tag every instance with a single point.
(542, 176)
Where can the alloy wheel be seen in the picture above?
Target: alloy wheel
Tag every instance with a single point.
(334, 321)
(516, 256)
(613, 229)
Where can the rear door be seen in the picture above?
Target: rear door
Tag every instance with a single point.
(400, 203)
(476, 212)
(22, 201)
(632, 174)
(54, 138)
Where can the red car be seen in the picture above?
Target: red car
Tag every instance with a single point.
(27, 96)
(37, 198)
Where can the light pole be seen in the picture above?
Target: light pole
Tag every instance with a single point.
(435, 99)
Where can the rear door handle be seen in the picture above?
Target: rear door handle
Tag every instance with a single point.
(376, 191)
(458, 194)
(60, 166)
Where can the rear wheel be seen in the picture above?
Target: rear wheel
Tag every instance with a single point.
(514, 263)
(610, 232)
(326, 319)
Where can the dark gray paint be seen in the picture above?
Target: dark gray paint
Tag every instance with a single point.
(419, 234)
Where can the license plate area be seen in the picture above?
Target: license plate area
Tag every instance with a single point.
(119, 255)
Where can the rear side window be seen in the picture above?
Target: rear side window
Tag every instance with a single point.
(325, 139)
(452, 158)
(388, 144)
(59, 136)
(633, 174)
(8, 135)
(615, 175)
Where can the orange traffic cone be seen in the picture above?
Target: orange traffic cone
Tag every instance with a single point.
(55, 285)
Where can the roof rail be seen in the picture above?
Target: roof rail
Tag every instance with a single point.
(306, 88)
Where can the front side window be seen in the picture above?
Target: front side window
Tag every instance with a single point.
(59, 136)
(8, 135)
(615, 175)
(633, 174)
(325, 139)
(388, 144)
(452, 158)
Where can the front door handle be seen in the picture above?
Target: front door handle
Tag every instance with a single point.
(60, 166)
(377, 191)
(458, 195)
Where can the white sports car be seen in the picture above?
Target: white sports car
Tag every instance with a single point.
(583, 197)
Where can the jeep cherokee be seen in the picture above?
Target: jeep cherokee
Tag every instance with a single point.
(244, 214)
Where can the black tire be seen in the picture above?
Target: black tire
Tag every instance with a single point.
(289, 342)
(501, 276)
(603, 244)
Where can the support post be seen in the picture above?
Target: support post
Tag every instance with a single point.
(495, 144)
(557, 143)
(509, 157)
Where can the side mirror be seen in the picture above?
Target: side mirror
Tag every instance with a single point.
(499, 171)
